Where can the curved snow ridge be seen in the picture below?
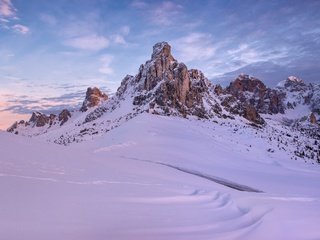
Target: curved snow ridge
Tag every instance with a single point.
(293, 199)
(220, 215)
(102, 182)
(29, 177)
(194, 197)
(95, 182)
(115, 146)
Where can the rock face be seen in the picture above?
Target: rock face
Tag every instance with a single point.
(253, 91)
(93, 97)
(39, 119)
(64, 116)
(168, 87)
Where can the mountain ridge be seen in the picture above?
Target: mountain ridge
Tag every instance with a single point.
(164, 86)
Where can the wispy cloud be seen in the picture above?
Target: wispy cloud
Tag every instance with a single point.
(106, 60)
(246, 53)
(7, 13)
(118, 39)
(195, 46)
(48, 19)
(139, 4)
(20, 29)
(88, 42)
(7, 10)
(88, 34)
(125, 30)
(164, 13)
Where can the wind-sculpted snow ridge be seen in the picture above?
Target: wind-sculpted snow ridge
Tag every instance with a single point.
(163, 86)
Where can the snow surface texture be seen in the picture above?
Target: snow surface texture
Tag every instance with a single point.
(150, 179)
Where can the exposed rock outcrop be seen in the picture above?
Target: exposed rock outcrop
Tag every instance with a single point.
(93, 97)
(64, 116)
(168, 87)
(312, 118)
(39, 119)
(253, 91)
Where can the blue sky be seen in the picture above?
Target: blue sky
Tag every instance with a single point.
(55, 48)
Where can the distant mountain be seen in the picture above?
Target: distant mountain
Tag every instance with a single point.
(164, 86)
(270, 73)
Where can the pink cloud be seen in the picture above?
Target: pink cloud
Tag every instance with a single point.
(7, 9)
(88, 42)
(20, 29)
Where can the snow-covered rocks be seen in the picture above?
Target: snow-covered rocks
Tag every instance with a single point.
(300, 97)
(40, 121)
(64, 116)
(254, 92)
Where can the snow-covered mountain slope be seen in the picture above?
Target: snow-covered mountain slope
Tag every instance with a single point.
(300, 99)
(157, 177)
(164, 86)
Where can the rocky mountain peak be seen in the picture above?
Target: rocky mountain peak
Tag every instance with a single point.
(244, 82)
(294, 79)
(162, 50)
(168, 87)
(93, 97)
(292, 83)
(39, 119)
(252, 91)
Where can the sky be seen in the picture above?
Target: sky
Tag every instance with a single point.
(51, 51)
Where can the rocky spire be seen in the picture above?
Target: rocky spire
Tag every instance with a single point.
(168, 86)
(162, 50)
(93, 97)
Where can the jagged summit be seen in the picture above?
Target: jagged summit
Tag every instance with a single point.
(165, 86)
(291, 82)
(162, 49)
(294, 79)
(93, 97)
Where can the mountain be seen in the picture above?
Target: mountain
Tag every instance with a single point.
(164, 86)
(169, 156)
